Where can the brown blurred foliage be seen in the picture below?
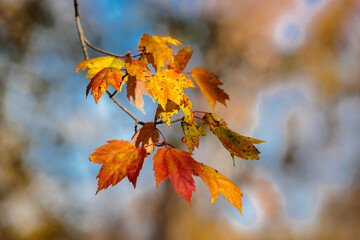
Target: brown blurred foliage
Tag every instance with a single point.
(239, 47)
(241, 50)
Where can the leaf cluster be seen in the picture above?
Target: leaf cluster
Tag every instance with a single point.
(157, 72)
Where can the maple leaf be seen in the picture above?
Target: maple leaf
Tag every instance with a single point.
(186, 107)
(167, 85)
(165, 114)
(119, 159)
(238, 145)
(182, 58)
(103, 71)
(95, 65)
(172, 108)
(157, 50)
(146, 135)
(218, 183)
(134, 91)
(192, 133)
(137, 69)
(178, 165)
(208, 84)
(101, 81)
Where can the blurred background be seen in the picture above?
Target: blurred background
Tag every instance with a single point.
(291, 68)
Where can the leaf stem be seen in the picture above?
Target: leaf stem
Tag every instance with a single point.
(157, 143)
(176, 68)
(200, 112)
(205, 121)
(161, 134)
(168, 144)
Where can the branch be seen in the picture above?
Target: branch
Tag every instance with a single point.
(137, 121)
(100, 50)
(86, 56)
(80, 31)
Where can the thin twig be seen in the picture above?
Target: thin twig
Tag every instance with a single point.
(137, 55)
(86, 56)
(124, 109)
(158, 144)
(113, 94)
(176, 120)
(100, 50)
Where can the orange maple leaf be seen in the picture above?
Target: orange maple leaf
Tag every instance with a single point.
(180, 167)
(218, 183)
(208, 84)
(119, 159)
(101, 81)
(238, 145)
(157, 50)
(167, 85)
(103, 71)
(146, 135)
(182, 58)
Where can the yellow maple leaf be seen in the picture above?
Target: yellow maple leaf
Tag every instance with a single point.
(95, 65)
(165, 114)
(157, 50)
(137, 69)
(186, 107)
(167, 85)
(192, 133)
